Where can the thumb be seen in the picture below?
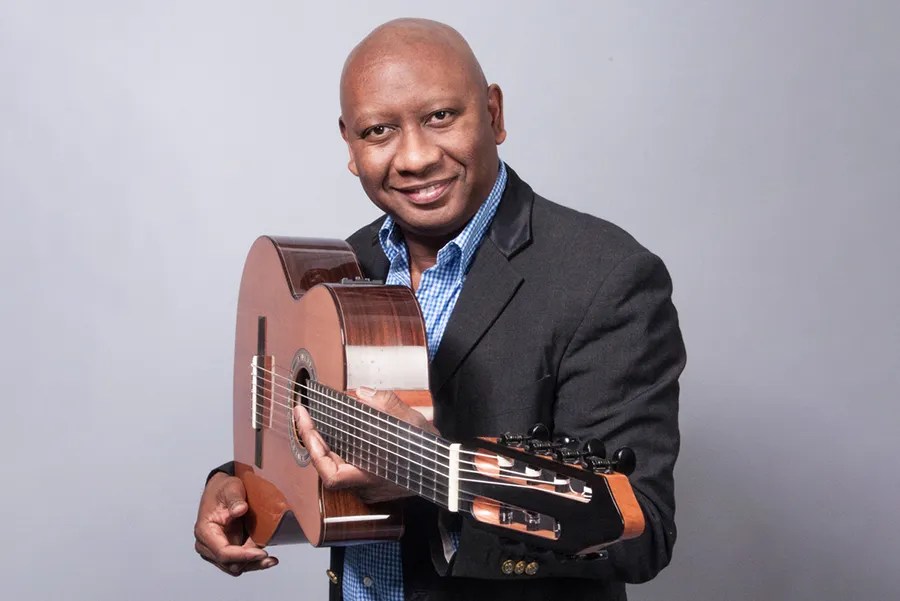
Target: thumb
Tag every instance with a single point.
(233, 497)
(389, 402)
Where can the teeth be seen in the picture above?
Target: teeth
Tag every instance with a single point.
(427, 193)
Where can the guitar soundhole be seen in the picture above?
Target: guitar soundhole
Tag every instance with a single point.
(301, 394)
(302, 373)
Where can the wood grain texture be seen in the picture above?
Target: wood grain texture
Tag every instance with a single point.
(281, 282)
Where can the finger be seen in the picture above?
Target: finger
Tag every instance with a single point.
(238, 553)
(389, 402)
(303, 420)
(231, 554)
(236, 569)
(258, 564)
(262, 564)
(212, 537)
(334, 472)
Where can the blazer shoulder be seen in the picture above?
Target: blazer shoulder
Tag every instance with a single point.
(584, 236)
(363, 238)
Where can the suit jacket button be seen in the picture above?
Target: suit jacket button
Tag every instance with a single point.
(532, 568)
(507, 567)
(520, 568)
(332, 576)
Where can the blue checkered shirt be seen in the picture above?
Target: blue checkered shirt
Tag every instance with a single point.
(374, 572)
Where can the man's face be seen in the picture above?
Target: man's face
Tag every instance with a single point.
(422, 131)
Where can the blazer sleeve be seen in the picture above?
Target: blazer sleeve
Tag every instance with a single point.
(617, 381)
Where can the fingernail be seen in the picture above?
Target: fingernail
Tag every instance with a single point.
(367, 392)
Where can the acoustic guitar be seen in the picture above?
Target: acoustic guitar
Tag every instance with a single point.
(309, 329)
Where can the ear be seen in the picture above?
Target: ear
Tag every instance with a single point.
(351, 165)
(495, 108)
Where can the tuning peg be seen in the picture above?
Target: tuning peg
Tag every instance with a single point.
(509, 439)
(567, 455)
(597, 464)
(594, 448)
(625, 460)
(539, 432)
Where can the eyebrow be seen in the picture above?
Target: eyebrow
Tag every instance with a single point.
(367, 119)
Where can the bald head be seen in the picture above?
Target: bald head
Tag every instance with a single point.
(403, 40)
(422, 127)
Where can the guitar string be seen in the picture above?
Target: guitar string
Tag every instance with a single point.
(279, 397)
(290, 389)
(475, 481)
(501, 470)
(417, 431)
(510, 474)
(467, 495)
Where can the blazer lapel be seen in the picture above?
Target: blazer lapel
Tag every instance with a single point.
(491, 282)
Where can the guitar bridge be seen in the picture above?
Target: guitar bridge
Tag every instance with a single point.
(261, 391)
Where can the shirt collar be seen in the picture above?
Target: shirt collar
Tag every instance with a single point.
(465, 243)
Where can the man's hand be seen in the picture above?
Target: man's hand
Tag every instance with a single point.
(334, 472)
(220, 529)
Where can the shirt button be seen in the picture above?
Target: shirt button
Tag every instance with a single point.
(520, 568)
(368, 582)
(532, 568)
(507, 567)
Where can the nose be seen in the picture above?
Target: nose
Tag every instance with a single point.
(416, 153)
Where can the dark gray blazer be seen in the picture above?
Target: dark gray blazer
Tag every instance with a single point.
(563, 319)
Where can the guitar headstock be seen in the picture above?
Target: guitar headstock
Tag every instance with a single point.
(557, 494)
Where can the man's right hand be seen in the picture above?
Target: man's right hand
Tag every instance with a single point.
(219, 530)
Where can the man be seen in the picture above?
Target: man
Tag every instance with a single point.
(534, 313)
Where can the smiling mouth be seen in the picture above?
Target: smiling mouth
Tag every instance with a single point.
(426, 194)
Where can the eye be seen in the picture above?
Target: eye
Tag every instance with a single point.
(376, 131)
(442, 117)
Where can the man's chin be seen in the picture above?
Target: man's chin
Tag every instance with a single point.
(432, 227)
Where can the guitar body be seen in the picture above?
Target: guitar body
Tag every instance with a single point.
(310, 331)
(296, 322)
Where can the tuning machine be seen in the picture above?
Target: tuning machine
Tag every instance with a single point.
(593, 456)
(537, 433)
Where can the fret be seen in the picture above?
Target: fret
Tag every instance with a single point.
(381, 444)
(390, 444)
(415, 474)
(371, 450)
(403, 445)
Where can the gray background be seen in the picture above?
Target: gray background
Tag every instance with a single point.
(753, 145)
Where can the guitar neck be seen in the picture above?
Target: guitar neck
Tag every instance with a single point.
(417, 460)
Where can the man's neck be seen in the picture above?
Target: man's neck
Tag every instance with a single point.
(423, 251)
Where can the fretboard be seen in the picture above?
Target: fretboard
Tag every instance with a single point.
(381, 444)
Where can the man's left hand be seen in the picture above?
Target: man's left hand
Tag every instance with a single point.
(337, 474)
